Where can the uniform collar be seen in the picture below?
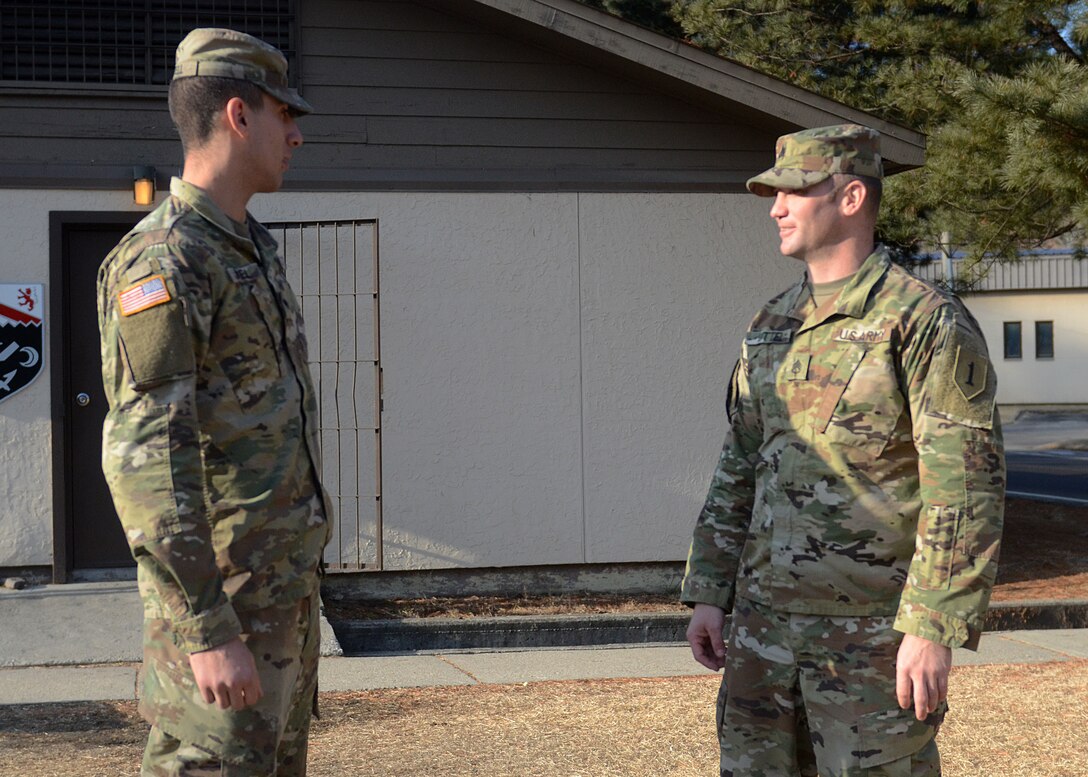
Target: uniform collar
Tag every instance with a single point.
(851, 301)
(854, 297)
(198, 200)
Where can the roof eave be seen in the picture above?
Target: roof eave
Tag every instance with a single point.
(902, 148)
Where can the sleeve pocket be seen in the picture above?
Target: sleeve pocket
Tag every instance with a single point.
(157, 345)
(937, 536)
(138, 468)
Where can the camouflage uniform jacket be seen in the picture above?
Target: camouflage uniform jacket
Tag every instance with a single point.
(210, 444)
(864, 470)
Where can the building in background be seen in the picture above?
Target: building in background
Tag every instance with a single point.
(1034, 313)
(521, 238)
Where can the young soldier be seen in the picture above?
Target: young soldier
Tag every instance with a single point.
(210, 444)
(854, 518)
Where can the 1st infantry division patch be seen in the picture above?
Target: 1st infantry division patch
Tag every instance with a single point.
(970, 374)
(143, 295)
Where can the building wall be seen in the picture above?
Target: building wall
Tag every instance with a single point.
(554, 366)
(1031, 381)
(26, 517)
(408, 96)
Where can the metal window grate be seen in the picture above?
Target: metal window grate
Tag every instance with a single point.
(125, 41)
(333, 268)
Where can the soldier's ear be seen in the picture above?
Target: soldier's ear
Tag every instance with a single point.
(236, 115)
(854, 198)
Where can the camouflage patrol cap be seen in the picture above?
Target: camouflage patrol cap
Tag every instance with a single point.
(805, 158)
(212, 51)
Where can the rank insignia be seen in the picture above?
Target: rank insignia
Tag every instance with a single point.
(797, 368)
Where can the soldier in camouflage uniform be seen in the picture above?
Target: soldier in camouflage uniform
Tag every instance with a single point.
(210, 445)
(853, 522)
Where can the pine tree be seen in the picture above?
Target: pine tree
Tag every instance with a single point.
(999, 86)
(654, 14)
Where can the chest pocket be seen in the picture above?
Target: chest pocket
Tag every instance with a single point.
(765, 350)
(861, 402)
(292, 319)
(247, 344)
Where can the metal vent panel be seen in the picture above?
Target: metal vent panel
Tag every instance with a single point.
(125, 41)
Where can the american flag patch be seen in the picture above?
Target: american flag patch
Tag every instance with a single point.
(143, 295)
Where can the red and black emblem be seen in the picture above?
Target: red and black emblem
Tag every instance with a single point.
(22, 336)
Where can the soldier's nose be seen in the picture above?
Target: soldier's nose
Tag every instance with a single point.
(778, 207)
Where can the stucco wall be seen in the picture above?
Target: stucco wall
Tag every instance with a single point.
(554, 367)
(1027, 380)
(26, 500)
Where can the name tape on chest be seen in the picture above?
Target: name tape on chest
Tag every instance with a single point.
(143, 295)
(847, 335)
(769, 336)
(246, 274)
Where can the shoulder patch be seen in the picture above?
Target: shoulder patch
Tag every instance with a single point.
(970, 372)
(962, 386)
(143, 295)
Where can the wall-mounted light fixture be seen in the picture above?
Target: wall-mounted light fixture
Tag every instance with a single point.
(143, 184)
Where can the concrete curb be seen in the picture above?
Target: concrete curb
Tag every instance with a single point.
(419, 635)
(413, 635)
(330, 645)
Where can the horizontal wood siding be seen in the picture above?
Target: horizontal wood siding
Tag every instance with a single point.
(478, 104)
(413, 96)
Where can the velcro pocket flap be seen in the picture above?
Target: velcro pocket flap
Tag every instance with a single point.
(157, 345)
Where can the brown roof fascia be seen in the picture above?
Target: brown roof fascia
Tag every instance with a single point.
(693, 71)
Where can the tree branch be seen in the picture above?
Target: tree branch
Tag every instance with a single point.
(1054, 37)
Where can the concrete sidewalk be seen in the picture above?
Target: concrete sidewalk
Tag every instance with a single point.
(81, 642)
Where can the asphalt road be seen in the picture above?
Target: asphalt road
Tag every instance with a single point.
(1057, 476)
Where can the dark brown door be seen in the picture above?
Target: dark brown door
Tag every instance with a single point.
(96, 538)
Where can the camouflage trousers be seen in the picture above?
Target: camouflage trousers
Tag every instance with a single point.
(191, 738)
(814, 695)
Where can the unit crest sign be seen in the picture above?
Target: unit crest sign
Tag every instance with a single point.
(22, 326)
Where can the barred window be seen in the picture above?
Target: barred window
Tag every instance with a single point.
(125, 41)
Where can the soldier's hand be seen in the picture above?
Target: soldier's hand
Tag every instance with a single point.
(227, 675)
(705, 636)
(921, 674)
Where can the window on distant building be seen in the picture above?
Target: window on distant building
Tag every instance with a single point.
(1013, 349)
(124, 41)
(1044, 339)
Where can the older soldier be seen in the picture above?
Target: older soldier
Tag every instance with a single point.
(854, 518)
(210, 444)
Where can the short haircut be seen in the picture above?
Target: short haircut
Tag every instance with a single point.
(874, 189)
(195, 102)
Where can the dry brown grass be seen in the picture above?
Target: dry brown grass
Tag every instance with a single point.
(1044, 552)
(1006, 721)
